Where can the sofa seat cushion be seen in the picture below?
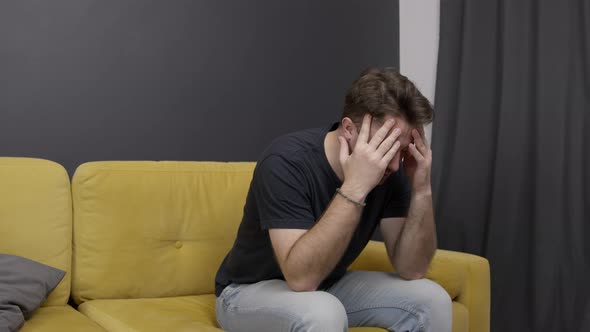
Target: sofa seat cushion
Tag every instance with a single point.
(184, 313)
(58, 319)
(460, 317)
(187, 313)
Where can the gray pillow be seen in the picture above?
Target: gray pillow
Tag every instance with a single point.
(24, 285)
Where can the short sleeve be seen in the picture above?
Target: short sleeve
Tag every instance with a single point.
(281, 194)
(400, 195)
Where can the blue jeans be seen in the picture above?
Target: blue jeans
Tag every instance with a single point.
(360, 298)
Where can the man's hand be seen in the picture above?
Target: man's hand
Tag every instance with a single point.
(418, 163)
(364, 168)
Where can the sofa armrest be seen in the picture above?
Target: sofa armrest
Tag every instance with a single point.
(465, 277)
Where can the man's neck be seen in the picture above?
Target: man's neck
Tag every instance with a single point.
(332, 148)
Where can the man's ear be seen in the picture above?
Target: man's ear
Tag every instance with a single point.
(349, 128)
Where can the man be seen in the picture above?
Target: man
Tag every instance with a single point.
(314, 202)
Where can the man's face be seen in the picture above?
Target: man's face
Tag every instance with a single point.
(405, 139)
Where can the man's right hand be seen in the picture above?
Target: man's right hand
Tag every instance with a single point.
(364, 168)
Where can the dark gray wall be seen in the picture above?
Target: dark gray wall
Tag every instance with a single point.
(84, 80)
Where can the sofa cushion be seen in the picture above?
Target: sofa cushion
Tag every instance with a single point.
(187, 313)
(58, 319)
(24, 285)
(154, 229)
(460, 317)
(36, 216)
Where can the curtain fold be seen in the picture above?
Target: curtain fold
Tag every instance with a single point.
(511, 149)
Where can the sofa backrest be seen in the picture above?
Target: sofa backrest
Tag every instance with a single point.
(154, 229)
(36, 216)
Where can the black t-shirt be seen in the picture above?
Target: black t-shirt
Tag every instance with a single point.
(293, 184)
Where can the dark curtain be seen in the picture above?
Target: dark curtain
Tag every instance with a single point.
(511, 144)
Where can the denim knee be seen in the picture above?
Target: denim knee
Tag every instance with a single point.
(324, 313)
(434, 306)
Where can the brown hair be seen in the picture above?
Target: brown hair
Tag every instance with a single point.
(386, 91)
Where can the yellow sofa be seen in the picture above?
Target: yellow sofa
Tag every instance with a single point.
(36, 223)
(148, 238)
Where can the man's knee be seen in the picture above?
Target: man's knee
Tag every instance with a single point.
(436, 296)
(434, 305)
(324, 313)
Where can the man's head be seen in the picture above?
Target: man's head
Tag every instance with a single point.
(385, 94)
(382, 92)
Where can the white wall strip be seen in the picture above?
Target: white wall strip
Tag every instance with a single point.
(419, 33)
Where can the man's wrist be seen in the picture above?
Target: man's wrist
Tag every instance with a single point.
(354, 191)
(423, 193)
(357, 203)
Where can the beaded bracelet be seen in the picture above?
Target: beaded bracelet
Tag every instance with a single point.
(361, 204)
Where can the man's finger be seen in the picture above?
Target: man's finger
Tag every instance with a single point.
(415, 153)
(386, 145)
(423, 135)
(344, 151)
(391, 153)
(419, 142)
(381, 134)
(365, 128)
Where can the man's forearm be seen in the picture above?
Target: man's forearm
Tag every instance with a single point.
(316, 253)
(417, 242)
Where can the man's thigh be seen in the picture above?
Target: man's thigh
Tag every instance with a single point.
(385, 300)
(272, 306)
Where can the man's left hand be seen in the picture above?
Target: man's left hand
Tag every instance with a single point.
(418, 162)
